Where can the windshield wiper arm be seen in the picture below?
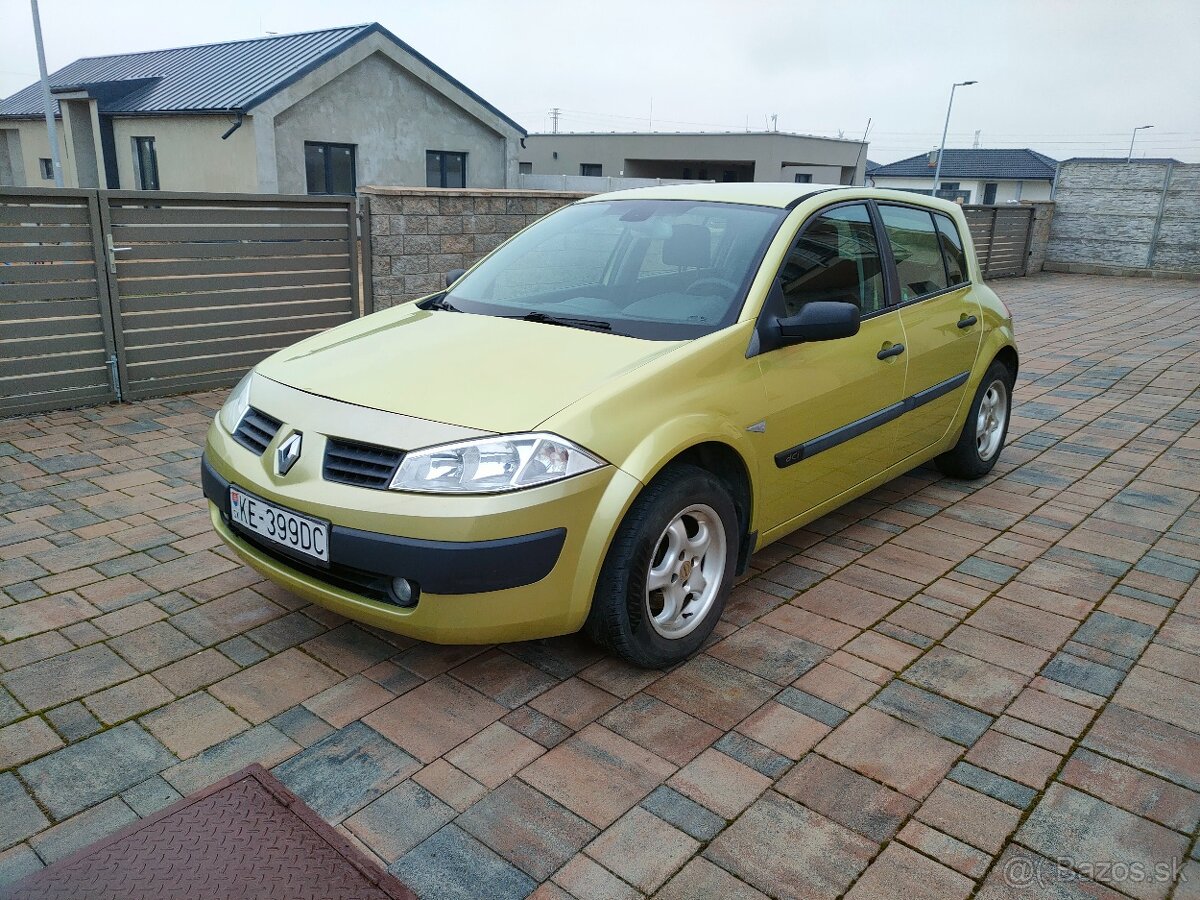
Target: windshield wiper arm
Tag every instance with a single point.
(568, 321)
(440, 302)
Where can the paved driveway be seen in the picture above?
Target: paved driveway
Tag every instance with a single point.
(941, 688)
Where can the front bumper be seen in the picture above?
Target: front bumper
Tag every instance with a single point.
(491, 568)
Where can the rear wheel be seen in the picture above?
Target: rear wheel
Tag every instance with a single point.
(670, 567)
(983, 434)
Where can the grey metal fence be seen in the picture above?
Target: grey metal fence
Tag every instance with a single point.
(107, 295)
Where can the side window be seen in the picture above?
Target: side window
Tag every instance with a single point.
(916, 249)
(835, 257)
(952, 249)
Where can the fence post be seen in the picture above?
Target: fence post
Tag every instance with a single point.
(1162, 205)
(106, 279)
(360, 254)
(987, 266)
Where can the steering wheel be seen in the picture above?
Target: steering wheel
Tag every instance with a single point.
(693, 288)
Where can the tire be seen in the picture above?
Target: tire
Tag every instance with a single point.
(982, 439)
(634, 619)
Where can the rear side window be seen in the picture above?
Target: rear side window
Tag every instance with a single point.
(952, 249)
(917, 251)
(836, 257)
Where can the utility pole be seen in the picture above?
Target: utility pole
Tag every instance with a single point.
(975, 146)
(554, 114)
(774, 121)
(47, 100)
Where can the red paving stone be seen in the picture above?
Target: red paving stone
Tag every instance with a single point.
(1051, 609)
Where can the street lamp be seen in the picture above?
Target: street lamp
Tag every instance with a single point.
(1133, 138)
(938, 170)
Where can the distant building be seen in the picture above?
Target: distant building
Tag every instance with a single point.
(972, 176)
(703, 156)
(318, 113)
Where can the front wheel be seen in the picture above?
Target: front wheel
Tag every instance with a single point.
(983, 434)
(670, 567)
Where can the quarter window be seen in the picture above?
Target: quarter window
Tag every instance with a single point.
(917, 251)
(445, 169)
(145, 162)
(329, 168)
(952, 249)
(835, 257)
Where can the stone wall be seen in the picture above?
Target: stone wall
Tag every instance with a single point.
(417, 235)
(1114, 217)
(1039, 239)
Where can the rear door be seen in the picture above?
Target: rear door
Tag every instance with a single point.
(941, 318)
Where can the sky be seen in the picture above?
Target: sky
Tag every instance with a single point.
(1065, 77)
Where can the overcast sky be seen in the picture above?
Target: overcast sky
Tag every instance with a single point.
(1066, 78)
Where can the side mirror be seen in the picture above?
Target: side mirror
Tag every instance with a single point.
(453, 275)
(820, 320)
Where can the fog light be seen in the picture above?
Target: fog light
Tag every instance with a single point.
(406, 592)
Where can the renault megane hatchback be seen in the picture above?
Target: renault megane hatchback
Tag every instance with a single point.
(599, 423)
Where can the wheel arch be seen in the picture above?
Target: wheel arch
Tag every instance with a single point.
(728, 466)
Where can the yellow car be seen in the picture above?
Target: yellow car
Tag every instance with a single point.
(599, 423)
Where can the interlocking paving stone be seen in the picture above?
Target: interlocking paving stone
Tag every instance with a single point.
(393, 824)
(451, 864)
(346, 770)
(80, 830)
(685, 814)
(935, 714)
(1068, 824)
(21, 815)
(785, 850)
(67, 677)
(98, 767)
(850, 799)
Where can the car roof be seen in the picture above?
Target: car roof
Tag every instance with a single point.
(781, 194)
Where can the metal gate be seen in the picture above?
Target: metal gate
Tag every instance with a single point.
(57, 346)
(1001, 235)
(109, 295)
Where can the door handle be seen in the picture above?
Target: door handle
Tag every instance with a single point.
(888, 352)
(967, 321)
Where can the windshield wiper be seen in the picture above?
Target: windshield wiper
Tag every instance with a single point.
(568, 321)
(440, 302)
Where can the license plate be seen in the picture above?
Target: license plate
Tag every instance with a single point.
(297, 533)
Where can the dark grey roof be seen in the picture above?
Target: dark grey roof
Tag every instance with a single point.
(210, 78)
(871, 165)
(1028, 165)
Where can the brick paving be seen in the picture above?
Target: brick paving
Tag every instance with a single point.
(940, 690)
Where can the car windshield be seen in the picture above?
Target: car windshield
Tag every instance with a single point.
(656, 269)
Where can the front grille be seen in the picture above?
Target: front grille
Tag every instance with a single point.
(255, 431)
(363, 465)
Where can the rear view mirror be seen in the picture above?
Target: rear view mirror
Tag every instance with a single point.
(453, 275)
(820, 320)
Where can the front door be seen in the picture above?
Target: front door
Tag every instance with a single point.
(941, 317)
(832, 405)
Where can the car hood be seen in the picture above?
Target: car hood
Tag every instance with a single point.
(483, 372)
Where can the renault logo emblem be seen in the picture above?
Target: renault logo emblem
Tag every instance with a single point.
(287, 454)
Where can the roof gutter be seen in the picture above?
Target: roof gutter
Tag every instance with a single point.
(235, 126)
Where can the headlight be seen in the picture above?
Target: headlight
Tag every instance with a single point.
(237, 404)
(487, 465)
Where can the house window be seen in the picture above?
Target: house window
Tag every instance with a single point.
(803, 179)
(329, 168)
(595, 170)
(47, 168)
(525, 168)
(989, 192)
(445, 169)
(145, 164)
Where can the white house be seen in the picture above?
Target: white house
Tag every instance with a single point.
(972, 176)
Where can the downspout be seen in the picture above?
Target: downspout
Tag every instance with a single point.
(234, 127)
